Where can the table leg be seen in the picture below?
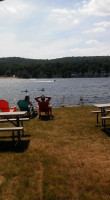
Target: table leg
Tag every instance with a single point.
(18, 132)
(17, 119)
(103, 114)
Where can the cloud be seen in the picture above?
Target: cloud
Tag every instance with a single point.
(96, 8)
(103, 24)
(17, 9)
(60, 11)
(93, 7)
(101, 27)
(95, 30)
(102, 51)
(64, 17)
(91, 42)
(72, 17)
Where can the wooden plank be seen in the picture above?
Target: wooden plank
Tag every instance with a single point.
(106, 117)
(96, 111)
(13, 114)
(107, 110)
(107, 105)
(13, 119)
(11, 129)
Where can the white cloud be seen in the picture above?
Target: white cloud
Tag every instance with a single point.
(91, 42)
(17, 9)
(96, 8)
(101, 27)
(103, 24)
(64, 16)
(69, 18)
(91, 7)
(60, 11)
(95, 30)
(99, 51)
(12, 10)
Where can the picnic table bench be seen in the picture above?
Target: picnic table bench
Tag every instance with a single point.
(14, 120)
(17, 118)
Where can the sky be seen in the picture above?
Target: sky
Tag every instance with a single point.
(49, 29)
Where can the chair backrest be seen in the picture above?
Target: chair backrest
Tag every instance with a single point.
(43, 106)
(4, 106)
(23, 105)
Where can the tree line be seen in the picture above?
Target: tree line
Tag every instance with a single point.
(61, 67)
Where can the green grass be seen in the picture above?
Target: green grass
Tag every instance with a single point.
(67, 158)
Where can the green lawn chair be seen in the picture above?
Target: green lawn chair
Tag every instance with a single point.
(23, 106)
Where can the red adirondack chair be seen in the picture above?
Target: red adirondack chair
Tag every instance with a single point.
(4, 107)
(44, 107)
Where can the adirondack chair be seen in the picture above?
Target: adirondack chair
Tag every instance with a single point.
(4, 106)
(23, 105)
(45, 108)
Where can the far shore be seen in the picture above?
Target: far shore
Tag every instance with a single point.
(8, 77)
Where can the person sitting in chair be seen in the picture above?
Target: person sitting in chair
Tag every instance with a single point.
(26, 105)
(43, 102)
(30, 110)
(27, 98)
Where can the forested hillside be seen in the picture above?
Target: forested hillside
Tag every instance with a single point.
(62, 67)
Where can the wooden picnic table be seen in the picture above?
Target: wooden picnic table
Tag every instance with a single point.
(15, 119)
(104, 111)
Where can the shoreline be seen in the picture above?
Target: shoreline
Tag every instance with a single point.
(11, 77)
(3, 77)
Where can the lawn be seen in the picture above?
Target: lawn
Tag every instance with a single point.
(66, 158)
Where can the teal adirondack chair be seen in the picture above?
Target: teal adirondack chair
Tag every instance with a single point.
(23, 105)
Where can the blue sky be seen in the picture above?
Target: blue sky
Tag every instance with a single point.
(47, 29)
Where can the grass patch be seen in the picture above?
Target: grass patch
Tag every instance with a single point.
(67, 158)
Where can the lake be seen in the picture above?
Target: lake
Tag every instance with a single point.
(63, 91)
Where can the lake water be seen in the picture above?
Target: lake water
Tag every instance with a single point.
(63, 91)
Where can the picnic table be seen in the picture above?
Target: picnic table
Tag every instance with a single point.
(102, 107)
(104, 112)
(15, 118)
